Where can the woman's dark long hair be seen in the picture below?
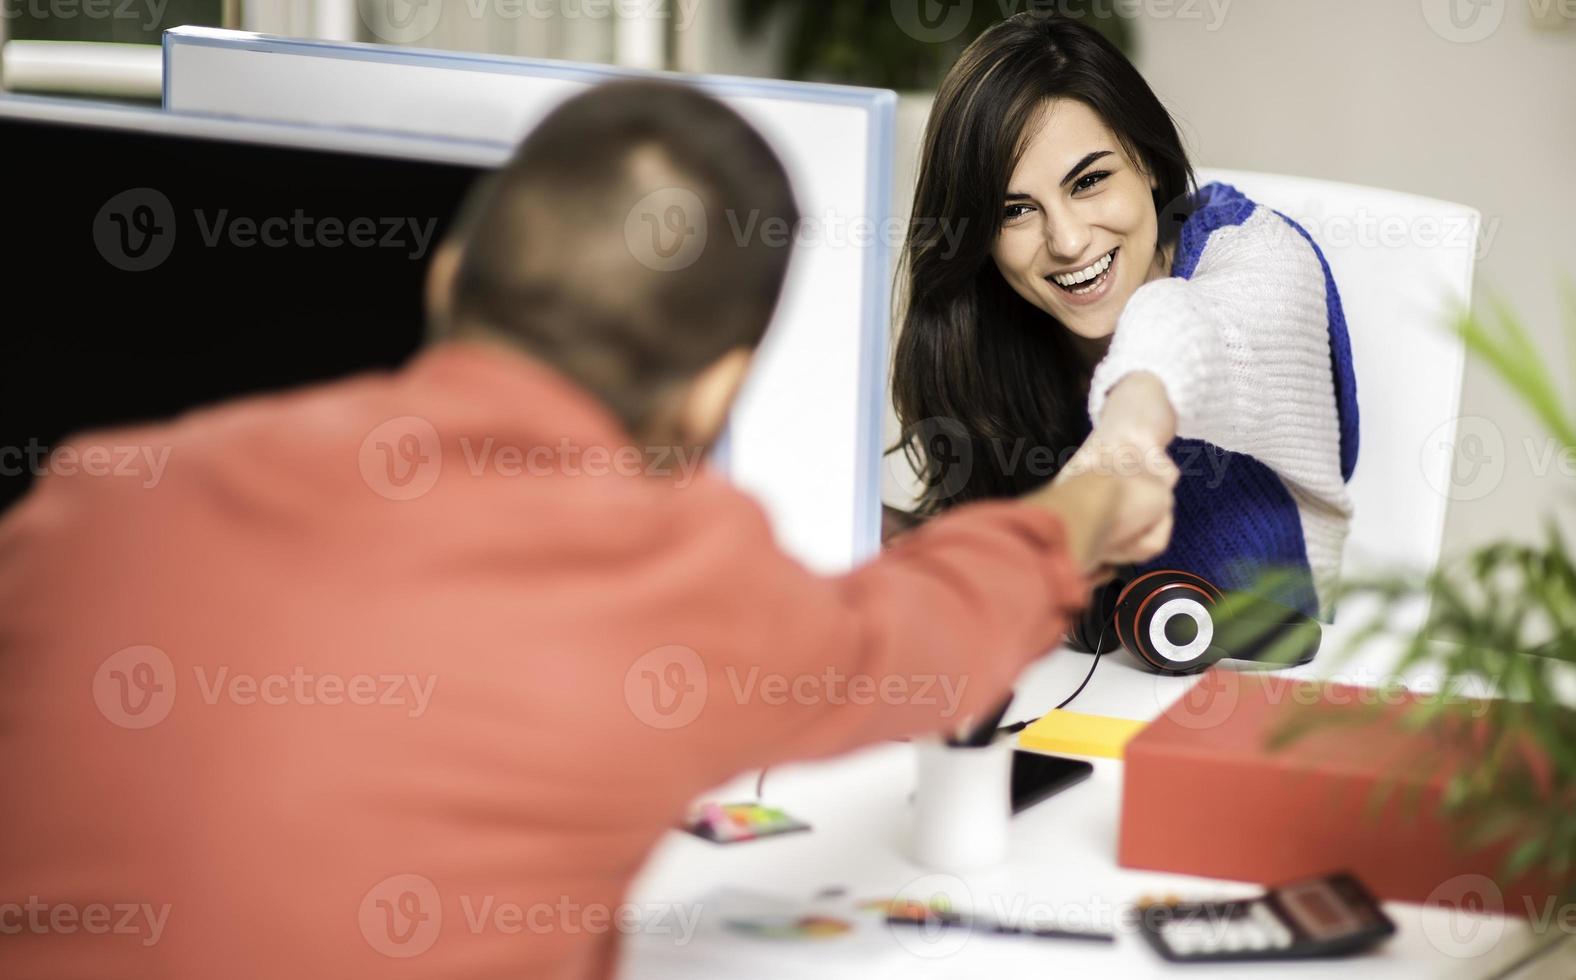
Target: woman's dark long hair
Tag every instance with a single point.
(991, 390)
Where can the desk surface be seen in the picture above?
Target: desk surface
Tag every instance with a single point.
(1062, 866)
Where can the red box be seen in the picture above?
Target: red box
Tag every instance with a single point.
(1203, 794)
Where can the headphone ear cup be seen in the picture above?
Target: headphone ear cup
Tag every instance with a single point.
(1163, 618)
(1094, 631)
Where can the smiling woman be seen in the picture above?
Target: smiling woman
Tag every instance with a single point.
(1100, 308)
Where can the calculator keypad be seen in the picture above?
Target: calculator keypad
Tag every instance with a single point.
(1251, 927)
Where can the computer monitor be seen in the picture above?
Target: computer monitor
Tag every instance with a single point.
(817, 390)
(159, 262)
(155, 264)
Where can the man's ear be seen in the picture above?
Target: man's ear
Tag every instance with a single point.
(441, 273)
(709, 397)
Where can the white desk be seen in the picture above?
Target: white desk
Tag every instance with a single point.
(1062, 866)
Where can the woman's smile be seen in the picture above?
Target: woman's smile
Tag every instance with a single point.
(1089, 285)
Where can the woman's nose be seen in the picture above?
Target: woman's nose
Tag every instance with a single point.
(1066, 236)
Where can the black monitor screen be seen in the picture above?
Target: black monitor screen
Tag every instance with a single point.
(150, 273)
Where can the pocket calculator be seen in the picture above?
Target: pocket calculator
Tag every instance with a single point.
(1330, 916)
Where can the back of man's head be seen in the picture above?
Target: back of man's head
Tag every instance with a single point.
(613, 245)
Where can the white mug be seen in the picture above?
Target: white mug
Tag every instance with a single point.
(962, 805)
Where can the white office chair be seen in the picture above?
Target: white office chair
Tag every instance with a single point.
(1403, 265)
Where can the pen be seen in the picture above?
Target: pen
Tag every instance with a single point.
(977, 736)
(925, 917)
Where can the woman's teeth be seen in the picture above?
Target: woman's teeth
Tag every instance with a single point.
(1073, 282)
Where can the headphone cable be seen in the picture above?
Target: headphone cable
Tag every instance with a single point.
(1099, 648)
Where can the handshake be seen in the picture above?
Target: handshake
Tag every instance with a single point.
(1115, 496)
(1114, 515)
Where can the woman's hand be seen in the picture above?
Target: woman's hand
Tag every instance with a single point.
(1110, 519)
(1133, 432)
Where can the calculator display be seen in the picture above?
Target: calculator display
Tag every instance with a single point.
(1318, 910)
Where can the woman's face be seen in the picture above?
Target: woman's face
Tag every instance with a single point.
(1078, 224)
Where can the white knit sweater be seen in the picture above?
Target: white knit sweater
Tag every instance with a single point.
(1250, 349)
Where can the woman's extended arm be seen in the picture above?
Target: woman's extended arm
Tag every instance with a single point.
(1241, 353)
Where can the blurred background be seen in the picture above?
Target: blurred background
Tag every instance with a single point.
(1472, 101)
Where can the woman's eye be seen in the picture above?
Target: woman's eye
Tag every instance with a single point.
(1012, 212)
(1089, 180)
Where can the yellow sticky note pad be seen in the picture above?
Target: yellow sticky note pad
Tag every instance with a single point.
(1071, 733)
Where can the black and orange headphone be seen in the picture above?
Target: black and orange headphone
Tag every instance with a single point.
(1166, 618)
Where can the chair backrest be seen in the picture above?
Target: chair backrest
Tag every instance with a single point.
(1403, 265)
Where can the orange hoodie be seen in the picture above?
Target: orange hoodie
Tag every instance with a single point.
(405, 675)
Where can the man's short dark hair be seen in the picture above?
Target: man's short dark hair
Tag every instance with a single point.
(616, 245)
